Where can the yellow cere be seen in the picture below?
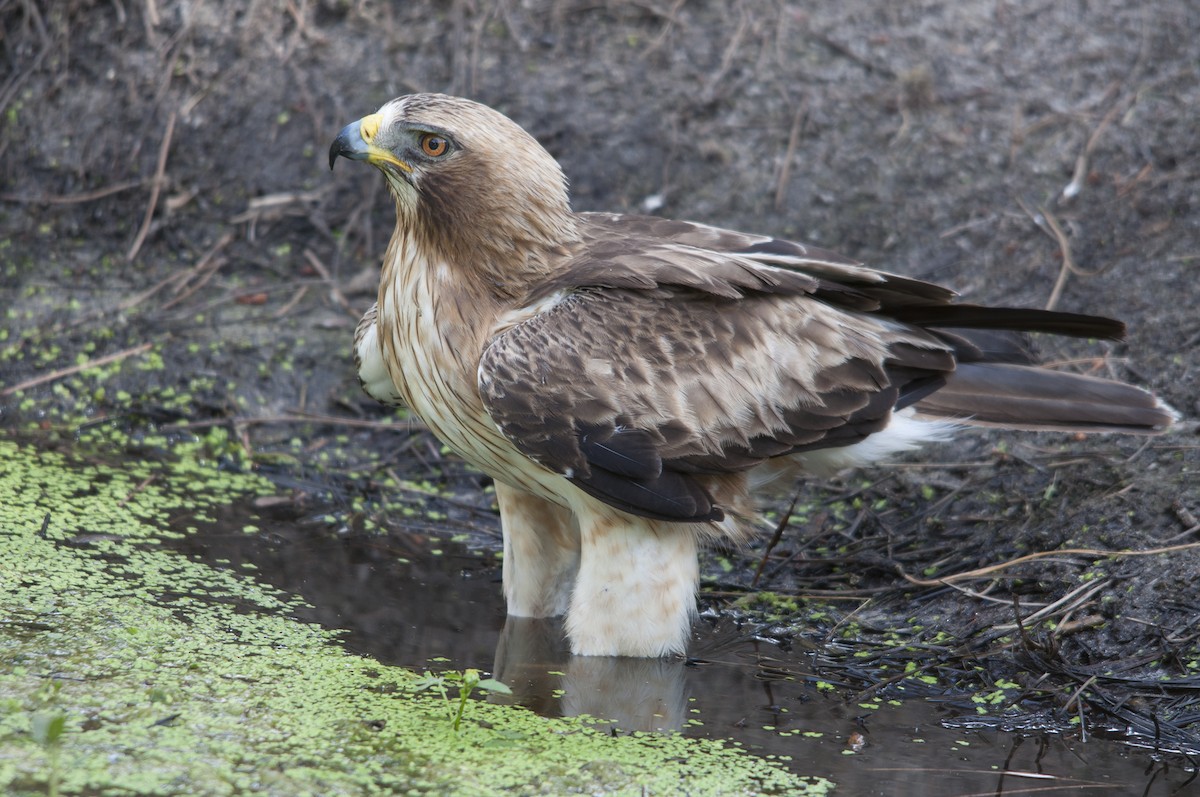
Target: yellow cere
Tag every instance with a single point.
(369, 126)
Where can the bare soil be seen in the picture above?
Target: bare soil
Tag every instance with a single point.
(163, 180)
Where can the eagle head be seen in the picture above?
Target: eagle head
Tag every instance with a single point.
(466, 179)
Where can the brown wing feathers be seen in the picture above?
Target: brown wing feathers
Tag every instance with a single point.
(656, 310)
(1025, 398)
(625, 470)
(688, 386)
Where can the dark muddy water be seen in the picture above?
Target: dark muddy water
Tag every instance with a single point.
(410, 601)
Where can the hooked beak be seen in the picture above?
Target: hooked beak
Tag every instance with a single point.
(354, 142)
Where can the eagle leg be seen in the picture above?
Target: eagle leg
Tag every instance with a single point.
(541, 553)
(636, 590)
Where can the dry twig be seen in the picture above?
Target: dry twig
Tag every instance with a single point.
(180, 278)
(72, 199)
(305, 417)
(156, 185)
(785, 173)
(735, 44)
(1046, 222)
(142, 485)
(334, 290)
(74, 369)
(1072, 189)
(985, 572)
(207, 266)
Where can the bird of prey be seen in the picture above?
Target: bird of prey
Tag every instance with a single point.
(630, 382)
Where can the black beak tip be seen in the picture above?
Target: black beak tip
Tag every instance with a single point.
(349, 144)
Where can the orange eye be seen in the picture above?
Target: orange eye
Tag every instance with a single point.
(433, 145)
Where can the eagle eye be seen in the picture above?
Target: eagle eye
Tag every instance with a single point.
(434, 146)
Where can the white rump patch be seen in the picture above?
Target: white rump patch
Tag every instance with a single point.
(904, 432)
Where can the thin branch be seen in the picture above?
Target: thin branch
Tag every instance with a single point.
(306, 417)
(207, 266)
(785, 173)
(1046, 222)
(160, 172)
(1072, 189)
(779, 527)
(291, 303)
(179, 277)
(983, 572)
(74, 369)
(1076, 598)
(334, 290)
(735, 44)
(72, 199)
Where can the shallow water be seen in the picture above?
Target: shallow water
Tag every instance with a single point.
(423, 603)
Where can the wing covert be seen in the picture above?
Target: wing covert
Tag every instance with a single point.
(639, 396)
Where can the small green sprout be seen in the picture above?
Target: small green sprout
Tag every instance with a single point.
(47, 728)
(468, 681)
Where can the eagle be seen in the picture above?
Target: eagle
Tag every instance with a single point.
(631, 383)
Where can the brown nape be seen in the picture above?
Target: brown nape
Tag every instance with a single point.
(1034, 398)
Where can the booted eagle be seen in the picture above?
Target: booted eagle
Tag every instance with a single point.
(630, 381)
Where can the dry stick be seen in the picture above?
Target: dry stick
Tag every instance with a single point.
(844, 50)
(210, 255)
(332, 420)
(138, 298)
(735, 43)
(160, 172)
(670, 19)
(291, 303)
(71, 199)
(141, 486)
(180, 277)
(1068, 264)
(1064, 627)
(1187, 518)
(779, 527)
(986, 571)
(74, 369)
(1046, 222)
(297, 17)
(1077, 597)
(207, 274)
(278, 202)
(1078, 692)
(207, 266)
(1072, 189)
(983, 596)
(334, 290)
(785, 174)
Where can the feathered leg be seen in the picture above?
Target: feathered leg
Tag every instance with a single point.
(541, 553)
(636, 590)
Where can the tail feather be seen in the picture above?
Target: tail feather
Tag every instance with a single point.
(1026, 397)
(1022, 319)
